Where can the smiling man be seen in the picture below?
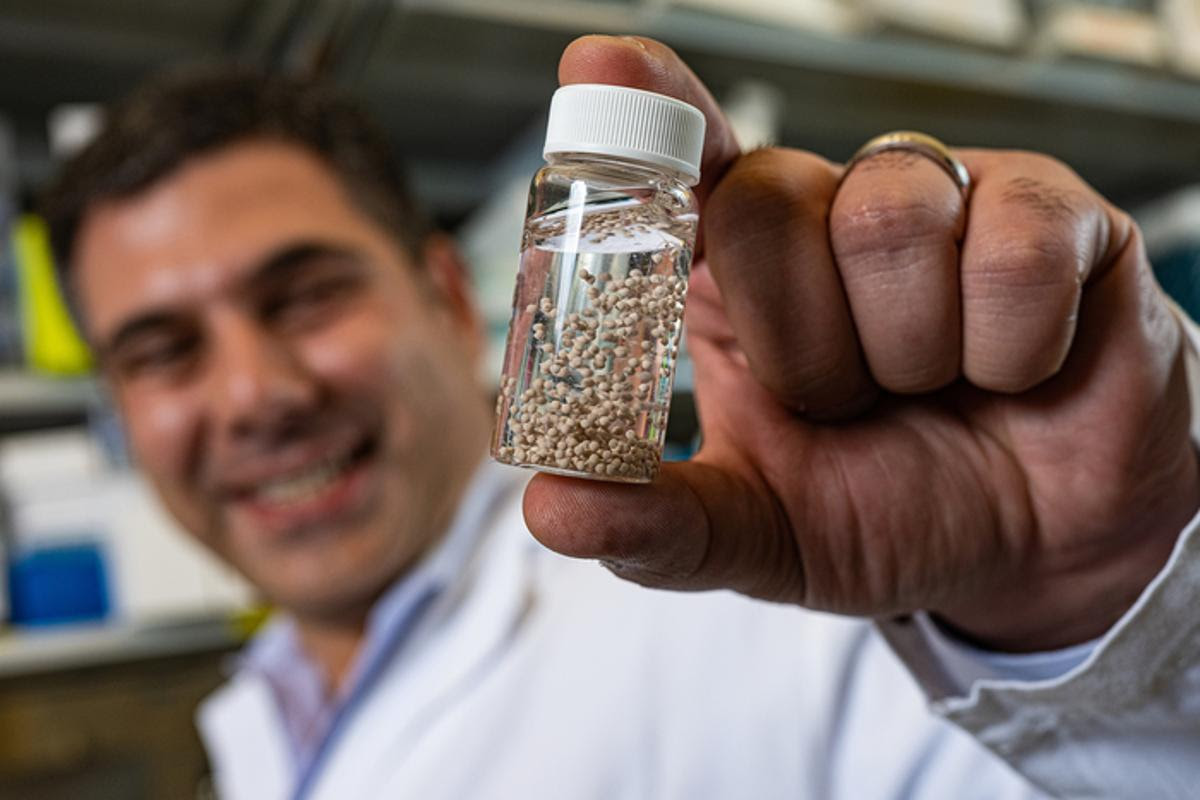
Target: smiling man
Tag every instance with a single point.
(279, 358)
(294, 354)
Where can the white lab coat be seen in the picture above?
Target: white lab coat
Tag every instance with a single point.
(540, 677)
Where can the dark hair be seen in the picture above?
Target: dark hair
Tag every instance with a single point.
(195, 110)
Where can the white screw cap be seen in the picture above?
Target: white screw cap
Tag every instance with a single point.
(629, 123)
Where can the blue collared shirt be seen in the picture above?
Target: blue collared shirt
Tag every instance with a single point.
(310, 712)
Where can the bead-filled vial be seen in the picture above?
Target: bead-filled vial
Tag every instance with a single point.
(598, 305)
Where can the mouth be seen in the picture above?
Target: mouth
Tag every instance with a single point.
(326, 490)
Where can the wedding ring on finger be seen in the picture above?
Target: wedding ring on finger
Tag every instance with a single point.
(920, 143)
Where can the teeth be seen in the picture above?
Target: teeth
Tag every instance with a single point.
(303, 485)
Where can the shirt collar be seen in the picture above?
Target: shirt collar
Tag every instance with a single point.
(393, 613)
(305, 705)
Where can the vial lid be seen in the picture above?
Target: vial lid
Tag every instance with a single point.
(630, 123)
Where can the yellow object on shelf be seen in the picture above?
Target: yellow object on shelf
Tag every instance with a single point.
(52, 342)
(248, 621)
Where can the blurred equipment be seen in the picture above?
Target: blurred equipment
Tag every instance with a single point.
(825, 16)
(996, 23)
(117, 617)
(89, 541)
(1171, 229)
(1181, 27)
(58, 583)
(755, 112)
(332, 38)
(10, 325)
(491, 239)
(1116, 31)
(105, 713)
(72, 126)
(52, 344)
(56, 565)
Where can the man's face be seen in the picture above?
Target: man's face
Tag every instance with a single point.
(301, 395)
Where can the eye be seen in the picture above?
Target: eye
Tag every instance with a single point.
(307, 300)
(160, 353)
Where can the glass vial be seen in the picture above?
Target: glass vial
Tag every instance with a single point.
(598, 304)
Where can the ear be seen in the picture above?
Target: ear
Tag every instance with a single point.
(447, 273)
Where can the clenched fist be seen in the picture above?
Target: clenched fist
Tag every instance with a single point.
(909, 398)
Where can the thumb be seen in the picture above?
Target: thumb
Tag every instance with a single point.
(696, 527)
(641, 63)
(713, 522)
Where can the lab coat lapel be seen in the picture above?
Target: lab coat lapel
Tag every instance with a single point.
(459, 641)
(244, 736)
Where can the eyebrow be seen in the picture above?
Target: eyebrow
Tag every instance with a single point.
(287, 261)
(131, 330)
(275, 268)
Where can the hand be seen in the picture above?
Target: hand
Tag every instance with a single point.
(907, 401)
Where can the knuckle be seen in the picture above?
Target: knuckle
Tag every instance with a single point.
(1023, 267)
(1052, 205)
(766, 191)
(1045, 188)
(1020, 304)
(886, 221)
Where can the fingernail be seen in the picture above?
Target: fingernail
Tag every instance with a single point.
(614, 567)
(634, 40)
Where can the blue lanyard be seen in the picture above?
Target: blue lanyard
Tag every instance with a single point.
(375, 661)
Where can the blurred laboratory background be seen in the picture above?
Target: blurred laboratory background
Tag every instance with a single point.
(112, 623)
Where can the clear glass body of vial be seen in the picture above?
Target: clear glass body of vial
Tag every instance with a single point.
(597, 315)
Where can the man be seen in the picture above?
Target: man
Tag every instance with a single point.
(1010, 460)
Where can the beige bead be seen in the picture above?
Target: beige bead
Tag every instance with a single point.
(588, 419)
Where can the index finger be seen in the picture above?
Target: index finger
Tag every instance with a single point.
(641, 63)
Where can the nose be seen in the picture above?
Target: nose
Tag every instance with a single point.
(259, 385)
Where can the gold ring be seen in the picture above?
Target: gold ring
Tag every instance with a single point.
(921, 144)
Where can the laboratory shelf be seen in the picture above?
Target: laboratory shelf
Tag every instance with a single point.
(30, 651)
(482, 72)
(29, 401)
(889, 55)
(458, 83)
